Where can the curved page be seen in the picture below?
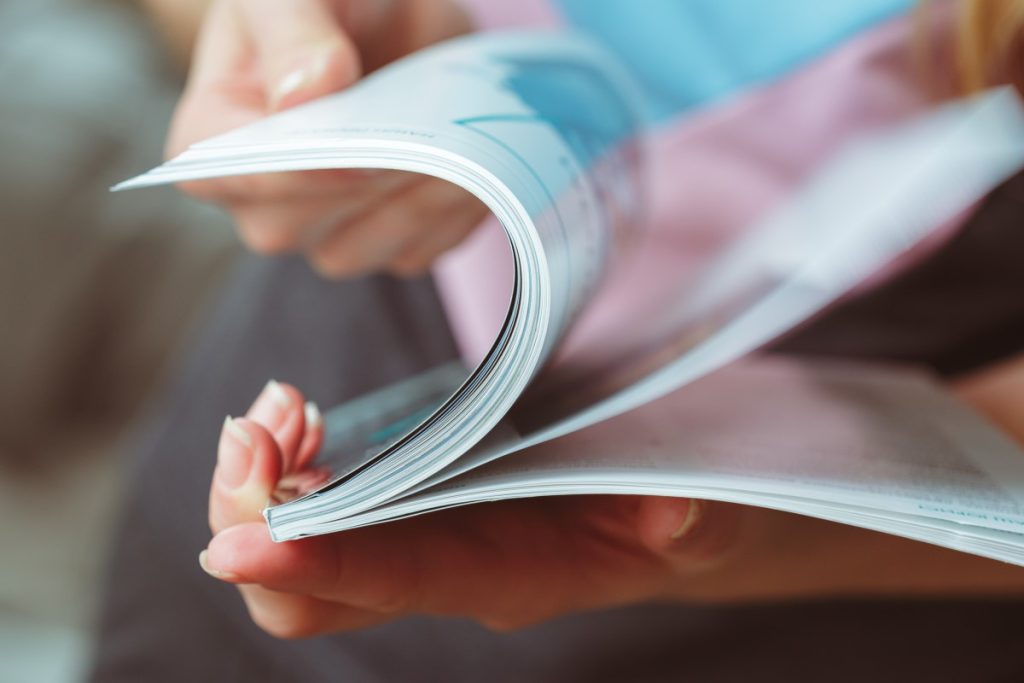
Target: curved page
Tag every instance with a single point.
(539, 127)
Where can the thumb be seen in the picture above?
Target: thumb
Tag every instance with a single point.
(687, 532)
(998, 394)
(303, 50)
(298, 48)
(664, 522)
(249, 464)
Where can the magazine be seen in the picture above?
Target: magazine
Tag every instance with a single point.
(666, 398)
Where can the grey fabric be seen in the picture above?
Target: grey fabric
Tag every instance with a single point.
(958, 311)
(166, 621)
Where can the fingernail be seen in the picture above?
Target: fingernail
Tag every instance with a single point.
(298, 80)
(234, 455)
(304, 481)
(271, 406)
(277, 394)
(204, 562)
(313, 416)
(693, 512)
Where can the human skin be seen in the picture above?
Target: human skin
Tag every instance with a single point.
(253, 59)
(512, 564)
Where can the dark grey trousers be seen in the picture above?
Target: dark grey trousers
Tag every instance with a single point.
(166, 621)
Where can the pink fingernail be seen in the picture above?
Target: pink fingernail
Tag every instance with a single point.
(272, 406)
(693, 512)
(313, 416)
(299, 79)
(304, 481)
(204, 562)
(234, 455)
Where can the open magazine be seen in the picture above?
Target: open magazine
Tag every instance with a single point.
(541, 127)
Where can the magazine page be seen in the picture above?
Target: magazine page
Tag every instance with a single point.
(878, 199)
(538, 124)
(539, 127)
(884, 195)
(878, 446)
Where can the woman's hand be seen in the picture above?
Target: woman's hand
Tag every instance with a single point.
(255, 57)
(512, 564)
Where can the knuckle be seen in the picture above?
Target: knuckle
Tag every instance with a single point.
(410, 267)
(254, 185)
(265, 239)
(287, 630)
(392, 602)
(397, 595)
(399, 589)
(204, 190)
(288, 626)
(334, 263)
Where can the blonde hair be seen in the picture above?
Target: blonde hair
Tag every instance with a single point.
(990, 43)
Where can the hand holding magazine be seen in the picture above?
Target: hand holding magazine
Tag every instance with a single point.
(540, 128)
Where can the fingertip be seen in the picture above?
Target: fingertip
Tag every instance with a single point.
(274, 402)
(314, 418)
(289, 395)
(249, 465)
(248, 553)
(689, 521)
(280, 409)
(662, 522)
(335, 264)
(699, 533)
(267, 461)
(234, 552)
(220, 574)
(267, 240)
(321, 71)
(411, 267)
(313, 438)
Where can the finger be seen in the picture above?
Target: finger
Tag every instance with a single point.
(370, 242)
(436, 240)
(505, 564)
(245, 554)
(662, 521)
(998, 393)
(279, 409)
(299, 54)
(304, 52)
(296, 616)
(286, 615)
(313, 438)
(252, 58)
(291, 189)
(300, 483)
(249, 465)
(302, 478)
(270, 220)
(688, 533)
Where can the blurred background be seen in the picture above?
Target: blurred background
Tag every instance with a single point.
(97, 293)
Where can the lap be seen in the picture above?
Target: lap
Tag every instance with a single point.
(167, 621)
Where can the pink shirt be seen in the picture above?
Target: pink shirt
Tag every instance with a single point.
(713, 172)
